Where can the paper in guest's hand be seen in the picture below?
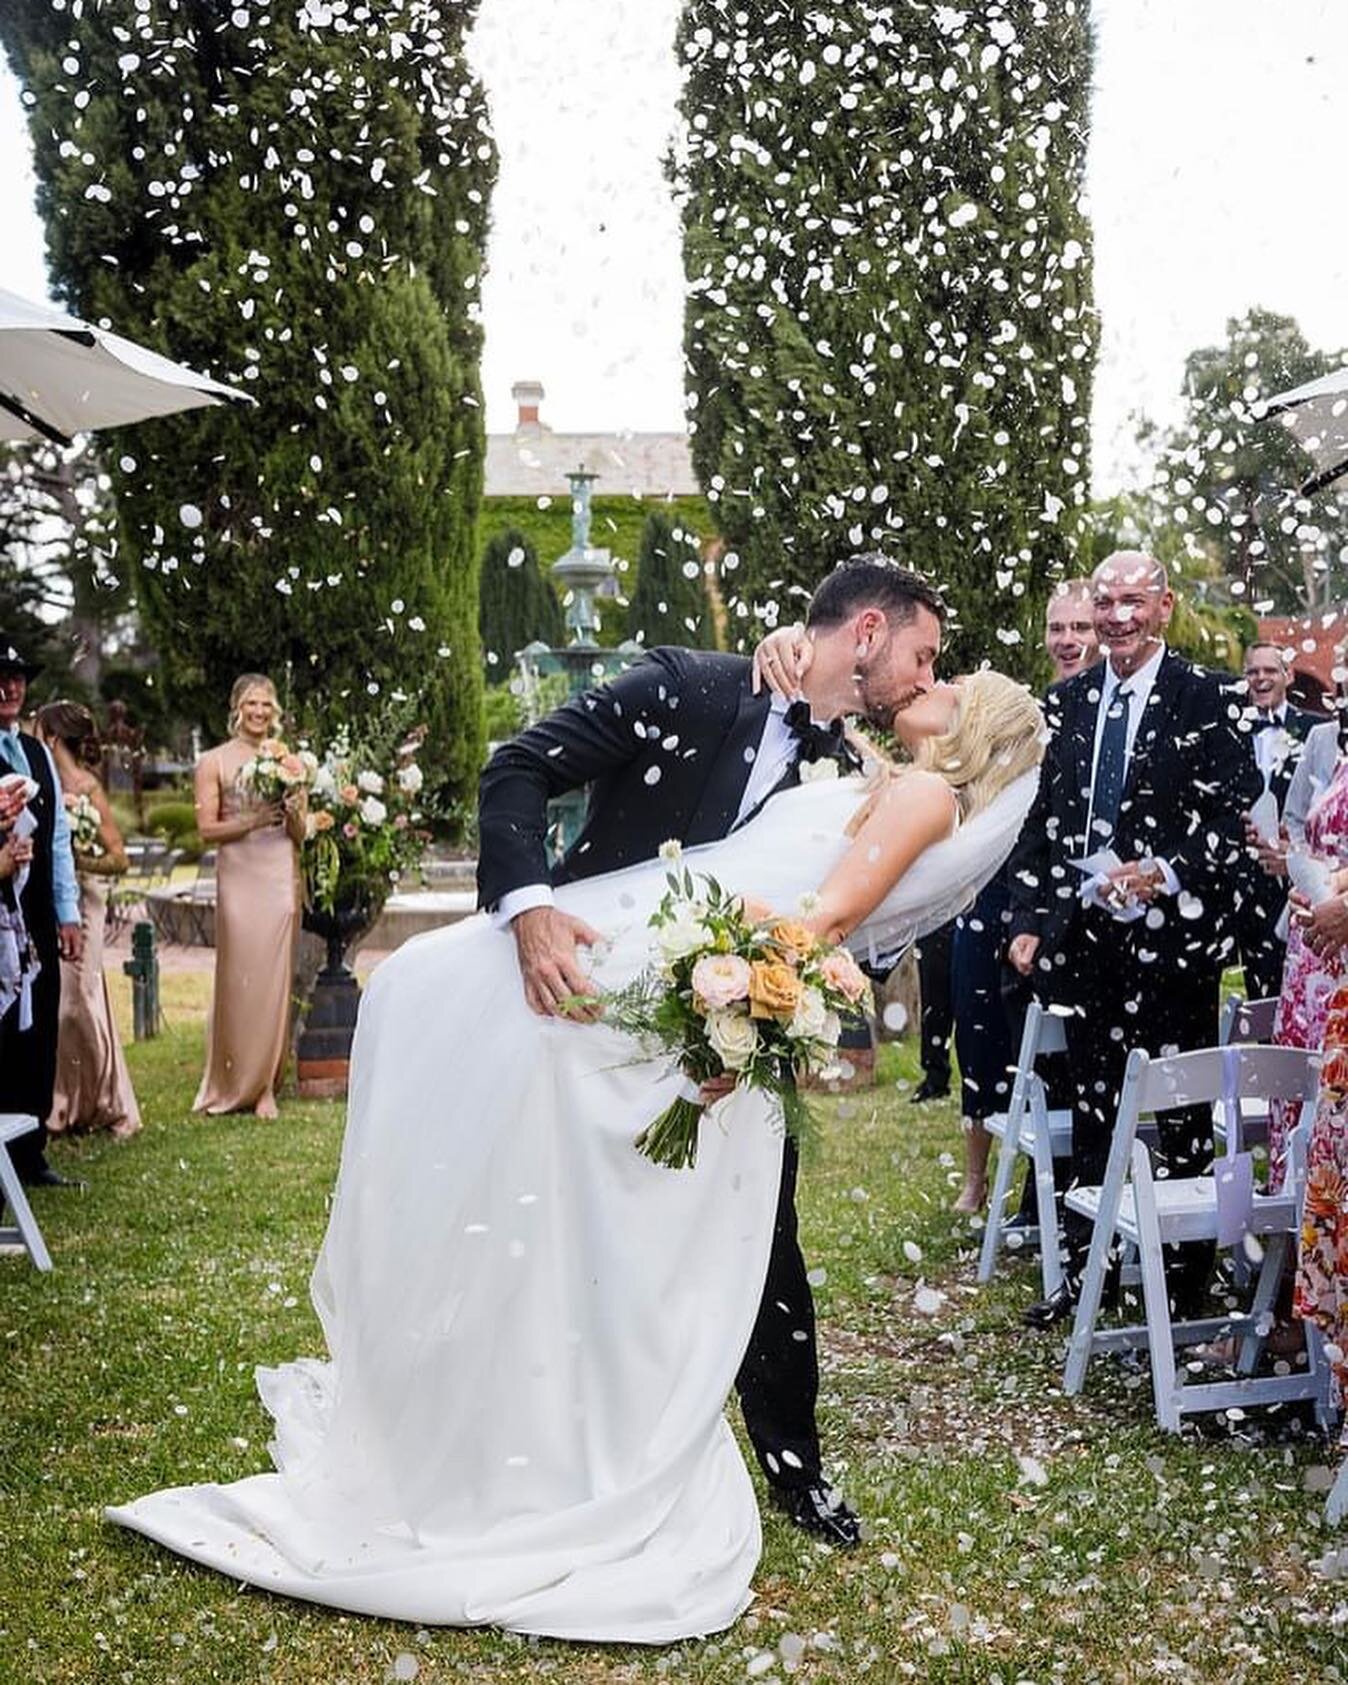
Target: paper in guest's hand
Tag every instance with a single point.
(1264, 817)
(1311, 875)
(1098, 864)
(1097, 890)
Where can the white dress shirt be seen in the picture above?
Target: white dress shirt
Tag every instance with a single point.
(774, 753)
(1139, 687)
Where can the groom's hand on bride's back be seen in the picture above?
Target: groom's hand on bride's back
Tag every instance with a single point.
(546, 940)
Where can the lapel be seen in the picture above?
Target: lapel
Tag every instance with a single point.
(1159, 710)
(1080, 705)
(730, 769)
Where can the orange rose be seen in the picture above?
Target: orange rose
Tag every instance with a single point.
(774, 989)
(323, 821)
(795, 939)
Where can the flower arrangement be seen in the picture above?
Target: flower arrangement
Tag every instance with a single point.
(86, 828)
(365, 826)
(760, 1000)
(275, 771)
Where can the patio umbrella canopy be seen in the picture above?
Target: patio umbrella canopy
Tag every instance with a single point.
(60, 376)
(1317, 414)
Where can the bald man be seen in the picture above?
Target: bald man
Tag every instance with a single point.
(1146, 766)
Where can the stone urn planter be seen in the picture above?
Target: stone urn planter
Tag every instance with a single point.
(324, 1051)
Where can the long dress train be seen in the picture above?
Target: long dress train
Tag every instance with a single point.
(533, 1330)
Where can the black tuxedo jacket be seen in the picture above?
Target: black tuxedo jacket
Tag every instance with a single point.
(666, 749)
(1297, 723)
(1190, 778)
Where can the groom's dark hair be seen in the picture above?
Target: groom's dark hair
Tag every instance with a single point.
(870, 580)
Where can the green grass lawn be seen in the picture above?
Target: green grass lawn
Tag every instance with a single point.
(1014, 1535)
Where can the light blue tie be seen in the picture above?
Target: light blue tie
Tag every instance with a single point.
(11, 752)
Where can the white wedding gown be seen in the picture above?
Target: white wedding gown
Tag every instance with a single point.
(533, 1329)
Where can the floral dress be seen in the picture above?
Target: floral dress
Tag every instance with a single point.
(1308, 981)
(1321, 1294)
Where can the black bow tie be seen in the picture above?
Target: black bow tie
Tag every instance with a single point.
(820, 742)
(1263, 722)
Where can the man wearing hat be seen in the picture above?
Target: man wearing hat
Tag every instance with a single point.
(50, 903)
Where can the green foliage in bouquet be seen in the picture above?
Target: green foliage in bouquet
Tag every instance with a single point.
(758, 999)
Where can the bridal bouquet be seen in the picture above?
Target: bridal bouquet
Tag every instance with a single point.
(759, 1000)
(274, 771)
(86, 828)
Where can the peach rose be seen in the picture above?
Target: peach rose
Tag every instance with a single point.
(840, 971)
(272, 748)
(349, 794)
(795, 939)
(323, 821)
(774, 989)
(720, 979)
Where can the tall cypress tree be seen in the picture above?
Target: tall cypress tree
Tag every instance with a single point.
(294, 198)
(517, 605)
(669, 602)
(889, 332)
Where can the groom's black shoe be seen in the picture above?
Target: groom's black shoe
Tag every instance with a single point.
(1044, 1313)
(819, 1510)
(45, 1177)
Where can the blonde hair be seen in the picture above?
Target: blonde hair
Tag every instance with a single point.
(240, 688)
(997, 735)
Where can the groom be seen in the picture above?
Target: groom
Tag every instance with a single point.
(680, 747)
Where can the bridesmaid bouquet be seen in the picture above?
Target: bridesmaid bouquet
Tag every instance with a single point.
(86, 828)
(758, 1000)
(274, 771)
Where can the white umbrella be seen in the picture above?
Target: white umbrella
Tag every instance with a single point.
(60, 376)
(1317, 414)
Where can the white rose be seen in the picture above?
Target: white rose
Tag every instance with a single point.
(410, 778)
(683, 935)
(325, 785)
(810, 1019)
(734, 1038)
(671, 849)
(814, 772)
(373, 811)
(371, 783)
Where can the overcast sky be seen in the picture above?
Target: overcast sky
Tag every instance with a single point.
(1215, 184)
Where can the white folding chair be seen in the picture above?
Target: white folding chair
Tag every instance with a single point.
(1245, 1023)
(1028, 1127)
(24, 1228)
(1136, 1207)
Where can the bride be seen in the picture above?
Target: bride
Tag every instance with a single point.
(532, 1328)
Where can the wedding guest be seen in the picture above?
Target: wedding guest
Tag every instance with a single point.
(982, 1031)
(988, 1032)
(1317, 941)
(1278, 736)
(1144, 768)
(46, 898)
(93, 1086)
(1069, 629)
(257, 911)
(936, 1020)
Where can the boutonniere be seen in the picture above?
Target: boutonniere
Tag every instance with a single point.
(812, 772)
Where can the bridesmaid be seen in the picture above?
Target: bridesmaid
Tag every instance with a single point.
(93, 1086)
(257, 912)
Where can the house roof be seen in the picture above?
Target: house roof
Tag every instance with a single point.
(533, 460)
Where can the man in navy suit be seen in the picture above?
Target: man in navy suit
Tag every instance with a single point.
(1124, 878)
(679, 746)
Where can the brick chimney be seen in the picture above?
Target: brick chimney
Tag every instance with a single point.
(528, 395)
